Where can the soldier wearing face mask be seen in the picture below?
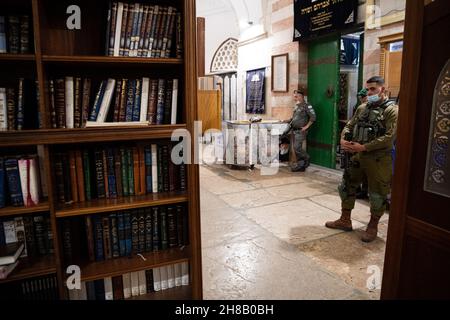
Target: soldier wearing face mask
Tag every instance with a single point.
(373, 129)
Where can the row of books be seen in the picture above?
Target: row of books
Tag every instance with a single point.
(152, 101)
(112, 172)
(15, 34)
(20, 181)
(34, 231)
(43, 288)
(127, 234)
(19, 106)
(139, 30)
(134, 284)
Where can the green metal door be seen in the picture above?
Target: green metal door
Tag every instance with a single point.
(323, 94)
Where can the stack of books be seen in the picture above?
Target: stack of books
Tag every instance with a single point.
(9, 255)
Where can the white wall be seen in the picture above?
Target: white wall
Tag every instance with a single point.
(218, 28)
(253, 56)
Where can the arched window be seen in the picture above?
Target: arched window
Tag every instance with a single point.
(226, 57)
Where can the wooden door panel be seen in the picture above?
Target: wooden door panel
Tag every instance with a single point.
(417, 277)
(426, 206)
(417, 260)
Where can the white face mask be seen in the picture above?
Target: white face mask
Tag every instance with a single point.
(373, 99)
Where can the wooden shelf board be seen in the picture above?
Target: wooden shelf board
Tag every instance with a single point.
(17, 211)
(125, 203)
(179, 293)
(85, 135)
(116, 267)
(17, 57)
(30, 268)
(109, 60)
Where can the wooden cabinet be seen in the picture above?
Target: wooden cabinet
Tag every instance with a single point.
(210, 109)
(60, 52)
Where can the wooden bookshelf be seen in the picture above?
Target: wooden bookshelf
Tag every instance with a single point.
(77, 60)
(120, 204)
(61, 52)
(86, 135)
(19, 211)
(30, 268)
(116, 267)
(17, 57)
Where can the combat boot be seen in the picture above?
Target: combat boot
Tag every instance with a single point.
(372, 230)
(344, 223)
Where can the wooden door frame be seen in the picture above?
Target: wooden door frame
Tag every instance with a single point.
(405, 143)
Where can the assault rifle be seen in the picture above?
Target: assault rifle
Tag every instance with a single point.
(346, 162)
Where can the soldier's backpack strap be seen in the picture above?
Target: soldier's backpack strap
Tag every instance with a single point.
(387, 104)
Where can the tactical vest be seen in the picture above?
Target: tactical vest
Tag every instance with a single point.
(370, 123)
(300, 118)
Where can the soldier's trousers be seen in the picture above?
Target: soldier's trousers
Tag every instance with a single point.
(301, 155)
(378, 170)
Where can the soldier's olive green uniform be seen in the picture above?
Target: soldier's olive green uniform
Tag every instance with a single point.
(303, 114)
(375, 127)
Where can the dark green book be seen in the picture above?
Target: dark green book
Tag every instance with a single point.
(126, 188)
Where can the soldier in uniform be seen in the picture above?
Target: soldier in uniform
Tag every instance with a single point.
(303, 118)
(373, 129)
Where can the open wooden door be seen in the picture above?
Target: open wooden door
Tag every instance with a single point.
(417, 264)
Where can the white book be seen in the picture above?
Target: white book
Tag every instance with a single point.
(185, 273)
(108, 289)
(174, 101)
(142, 283)
(171, 276)
(83, 292)
(126, 285)
(164, 278)
(106, 101)
(20, 235)
(6, 270)
(29, 180)
(135, 284)
(9, 253)
(155, 168)
(118, 30)
(9, 228)
(3, 110)
(93, 124)
(69, 99)
(144, 99)
(178, 275)
(157, 279)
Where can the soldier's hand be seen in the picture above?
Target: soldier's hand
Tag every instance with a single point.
(345, 143)
(354, 147)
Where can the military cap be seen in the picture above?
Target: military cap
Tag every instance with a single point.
(363, 93)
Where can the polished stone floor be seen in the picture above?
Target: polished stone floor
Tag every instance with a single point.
(263, 237)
